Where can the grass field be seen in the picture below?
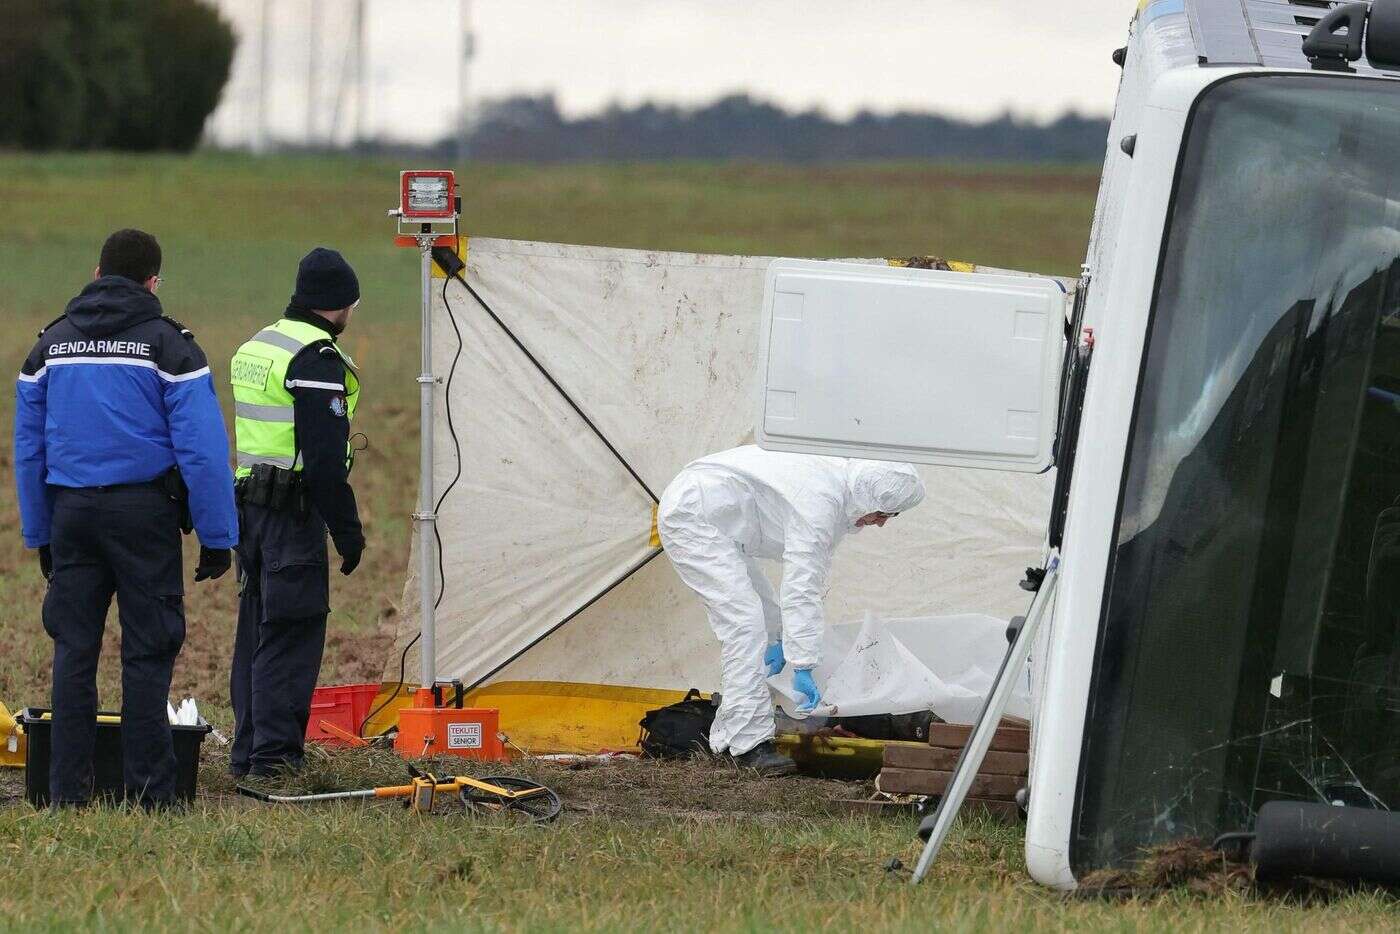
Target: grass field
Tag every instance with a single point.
(643, 847)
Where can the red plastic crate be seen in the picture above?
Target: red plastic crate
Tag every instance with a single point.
(344, 705)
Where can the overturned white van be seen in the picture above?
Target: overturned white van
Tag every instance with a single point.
(1226, 520)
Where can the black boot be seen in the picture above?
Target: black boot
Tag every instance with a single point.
(765, 760)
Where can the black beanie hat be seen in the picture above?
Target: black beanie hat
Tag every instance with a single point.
(325, 282)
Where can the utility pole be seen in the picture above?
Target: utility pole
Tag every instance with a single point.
(463, 100)
(312, 64)
(349, 70)
(362, 97)
(260, 141)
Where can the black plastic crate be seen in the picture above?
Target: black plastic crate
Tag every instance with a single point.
(106, 756)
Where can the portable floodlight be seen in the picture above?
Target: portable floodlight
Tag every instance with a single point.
(428, 209)
(427, 195)
(427, 217)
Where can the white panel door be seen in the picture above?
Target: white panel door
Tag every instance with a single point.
(918, 365)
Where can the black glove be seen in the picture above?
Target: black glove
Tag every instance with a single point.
(350, 559)
(46, 562)
(213, 563)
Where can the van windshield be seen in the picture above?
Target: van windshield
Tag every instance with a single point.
(1249, 648)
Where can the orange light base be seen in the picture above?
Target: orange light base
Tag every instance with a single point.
(439, 240)
(469, 732)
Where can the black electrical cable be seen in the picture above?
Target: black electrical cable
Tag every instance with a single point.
(452, 430)
(457, 453)
(578, 410)
(403, 669)
(617, 582)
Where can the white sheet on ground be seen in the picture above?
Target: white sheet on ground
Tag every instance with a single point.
(941, 663)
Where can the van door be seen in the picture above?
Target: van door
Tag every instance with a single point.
(918, 365)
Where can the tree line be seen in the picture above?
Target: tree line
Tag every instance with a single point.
(110, 74)
(738, 126)
(145, 75)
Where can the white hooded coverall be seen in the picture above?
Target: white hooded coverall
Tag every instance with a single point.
(722, 512)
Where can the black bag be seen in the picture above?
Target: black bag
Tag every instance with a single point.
(909, 727)
(680, 730)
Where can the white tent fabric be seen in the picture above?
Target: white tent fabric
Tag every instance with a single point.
(897, 666)
(658, 350)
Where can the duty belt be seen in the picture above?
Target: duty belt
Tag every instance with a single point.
(272, 488)
(170, 483)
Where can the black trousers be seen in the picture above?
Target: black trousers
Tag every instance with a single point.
(123, 541)
(282, 610)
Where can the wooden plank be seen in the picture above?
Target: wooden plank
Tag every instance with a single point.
(930, 782)
(955, 736)
(941, 758)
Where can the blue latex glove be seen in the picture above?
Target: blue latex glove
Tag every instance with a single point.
(803, 684)
(774, 659)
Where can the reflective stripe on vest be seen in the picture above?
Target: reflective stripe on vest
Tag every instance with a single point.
(264, 415)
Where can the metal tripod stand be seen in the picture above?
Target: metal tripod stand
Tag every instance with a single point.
(935, 827)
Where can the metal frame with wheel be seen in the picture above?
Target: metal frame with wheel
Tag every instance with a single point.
(500, 794)
(934, 829)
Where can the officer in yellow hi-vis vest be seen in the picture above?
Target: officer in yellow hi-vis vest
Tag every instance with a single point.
(295, 393)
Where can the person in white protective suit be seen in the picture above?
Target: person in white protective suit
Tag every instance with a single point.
(724, 511)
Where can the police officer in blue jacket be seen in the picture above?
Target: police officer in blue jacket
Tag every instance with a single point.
(117, 433)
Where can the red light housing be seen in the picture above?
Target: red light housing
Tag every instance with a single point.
(427, 194)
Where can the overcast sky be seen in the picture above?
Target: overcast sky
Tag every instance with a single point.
(973, 59)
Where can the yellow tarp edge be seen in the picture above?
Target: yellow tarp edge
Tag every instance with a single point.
(558, 716)
(933, 262)
(461, 251)
(543, 717)
(837, 756)
(550, 716)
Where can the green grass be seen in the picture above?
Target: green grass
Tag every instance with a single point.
(645, 848)
(642, 847)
